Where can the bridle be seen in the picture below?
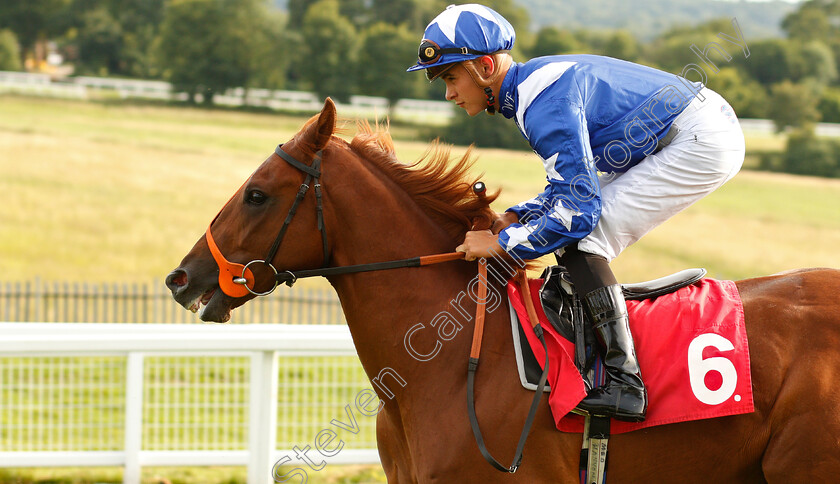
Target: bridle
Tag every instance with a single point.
(240, 285)
(237, 280)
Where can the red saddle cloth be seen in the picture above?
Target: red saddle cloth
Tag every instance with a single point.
(692, 351)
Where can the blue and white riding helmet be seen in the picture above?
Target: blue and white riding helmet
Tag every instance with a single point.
(463, 32)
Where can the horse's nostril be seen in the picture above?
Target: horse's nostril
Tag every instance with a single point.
(176, 280)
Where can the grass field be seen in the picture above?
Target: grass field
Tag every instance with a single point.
(346, 474)
(118, 193)
(111, 192)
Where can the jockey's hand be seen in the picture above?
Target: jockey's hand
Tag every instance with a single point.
(480, 243)
(503, 220)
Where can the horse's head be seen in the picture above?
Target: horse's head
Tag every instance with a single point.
(247, 227)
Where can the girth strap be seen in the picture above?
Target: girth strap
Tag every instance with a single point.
(593, 455)
(473, 367)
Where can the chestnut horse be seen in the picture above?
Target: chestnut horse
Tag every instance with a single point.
(377, 209)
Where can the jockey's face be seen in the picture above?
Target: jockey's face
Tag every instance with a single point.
(463, 91)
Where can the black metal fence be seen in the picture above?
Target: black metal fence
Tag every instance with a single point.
(38, 301)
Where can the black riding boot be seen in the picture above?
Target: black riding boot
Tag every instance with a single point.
(623, 396)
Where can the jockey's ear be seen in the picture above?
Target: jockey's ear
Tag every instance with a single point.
(486, 66)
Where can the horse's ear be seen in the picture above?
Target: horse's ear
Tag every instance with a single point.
(319, 132)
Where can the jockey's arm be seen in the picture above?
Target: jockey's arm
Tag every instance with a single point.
(570, 206)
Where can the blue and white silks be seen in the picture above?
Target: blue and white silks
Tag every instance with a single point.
(582, 114)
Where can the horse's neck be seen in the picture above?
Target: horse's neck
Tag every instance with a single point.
(415, 323)
(379, 221)
(382, 307)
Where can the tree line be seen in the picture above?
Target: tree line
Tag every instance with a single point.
(342, 47)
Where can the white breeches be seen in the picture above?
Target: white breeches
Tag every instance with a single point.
(705, 154)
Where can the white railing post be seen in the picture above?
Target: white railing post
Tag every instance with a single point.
(262, 344)
(262, 425)
(133, 417)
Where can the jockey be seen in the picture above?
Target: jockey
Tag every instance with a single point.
(625, 147)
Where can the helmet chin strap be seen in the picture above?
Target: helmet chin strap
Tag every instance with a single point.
(491, 101)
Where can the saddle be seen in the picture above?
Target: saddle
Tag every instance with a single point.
(677, 334)
(566, 314)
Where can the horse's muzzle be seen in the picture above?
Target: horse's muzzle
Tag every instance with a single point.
(177, 281)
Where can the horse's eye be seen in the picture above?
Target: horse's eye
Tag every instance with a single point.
(256, 197)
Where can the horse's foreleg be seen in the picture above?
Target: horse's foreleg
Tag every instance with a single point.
(804, 445)
(393, 451)
(805, 450)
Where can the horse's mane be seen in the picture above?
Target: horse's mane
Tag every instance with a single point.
(442, 188)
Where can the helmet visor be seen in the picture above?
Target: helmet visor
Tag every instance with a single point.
(430, 56)
(433, 72)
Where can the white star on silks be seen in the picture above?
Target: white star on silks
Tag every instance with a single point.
(447, 23)
(549, 168)
(519, 236)
(564, 214)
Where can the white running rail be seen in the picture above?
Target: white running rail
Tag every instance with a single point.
(132, 395)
